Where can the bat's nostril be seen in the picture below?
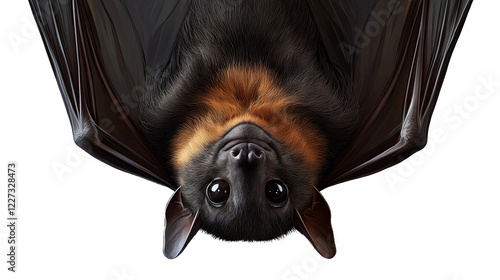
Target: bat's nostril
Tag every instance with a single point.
(255, 153)
(247, 153)
(239, 153)
(235, 153)
(255, 156)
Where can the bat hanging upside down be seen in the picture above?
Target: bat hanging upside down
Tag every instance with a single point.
(249, 115)
(248, 109)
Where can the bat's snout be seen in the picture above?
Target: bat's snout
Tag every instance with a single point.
(250, 154)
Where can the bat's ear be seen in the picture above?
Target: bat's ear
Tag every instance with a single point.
(314, 223)
(181, 225)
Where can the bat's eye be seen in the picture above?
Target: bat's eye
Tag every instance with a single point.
(218, 192)
(276, 193)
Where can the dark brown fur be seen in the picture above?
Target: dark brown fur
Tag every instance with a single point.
(259, 62)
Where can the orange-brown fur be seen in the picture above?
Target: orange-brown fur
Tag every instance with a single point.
(247, 94)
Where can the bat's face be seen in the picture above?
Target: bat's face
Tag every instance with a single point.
(247, 163)
(247, 185)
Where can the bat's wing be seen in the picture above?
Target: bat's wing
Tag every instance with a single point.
(101, 52)
(397, 53)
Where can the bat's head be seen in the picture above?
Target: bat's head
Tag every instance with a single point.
(246, 185)
(247, 163)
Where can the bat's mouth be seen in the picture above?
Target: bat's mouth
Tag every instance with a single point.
(247, 132)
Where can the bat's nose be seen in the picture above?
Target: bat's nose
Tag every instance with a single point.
(247, 153)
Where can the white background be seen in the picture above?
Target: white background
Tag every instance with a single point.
(434, 217)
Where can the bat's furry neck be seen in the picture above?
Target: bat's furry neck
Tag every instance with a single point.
(248, 94)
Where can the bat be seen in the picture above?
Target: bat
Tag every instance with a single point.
(248, 109)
